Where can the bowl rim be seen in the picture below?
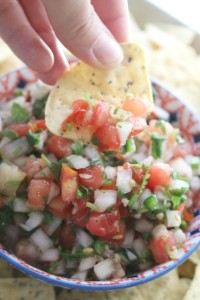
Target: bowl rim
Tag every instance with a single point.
(99, 285)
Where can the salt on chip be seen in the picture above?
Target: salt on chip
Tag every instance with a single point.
(131, 293)
(110, 85)
(25, 288)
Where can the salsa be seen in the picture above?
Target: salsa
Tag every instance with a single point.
(95, 211)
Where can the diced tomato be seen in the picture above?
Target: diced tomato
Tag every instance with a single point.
(80, 104)
(139, 124)
(59, 208)
(69, 183)
(104, 224)
(160, 248)
(58, 146)
(91, 177)
(160, 175)
(38, 191)
(33, 166)
(182, 150)
(109, 186)
(187, 216)
(119, 236)
(80, 217)
(101, 114)
(67, 237)
(21, 129)
(138, 174)
(36, 125)
(108, 138)
(138, 107)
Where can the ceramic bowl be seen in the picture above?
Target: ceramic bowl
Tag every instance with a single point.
(189, 124)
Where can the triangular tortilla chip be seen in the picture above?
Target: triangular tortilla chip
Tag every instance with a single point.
(110, 85)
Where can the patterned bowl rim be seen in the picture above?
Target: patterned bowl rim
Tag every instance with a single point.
(126, 282)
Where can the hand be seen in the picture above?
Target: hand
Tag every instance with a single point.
(89, 29)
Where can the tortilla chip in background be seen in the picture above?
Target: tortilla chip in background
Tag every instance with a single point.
(195, 257)
(111, 85)
(193, 293)
(6, 270)
(185, 285)
(167, 287)
(125, 294)
(187, 269)
(25, 288)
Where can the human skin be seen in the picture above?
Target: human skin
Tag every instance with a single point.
(91, 30)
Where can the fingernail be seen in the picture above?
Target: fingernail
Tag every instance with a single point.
(107, 51)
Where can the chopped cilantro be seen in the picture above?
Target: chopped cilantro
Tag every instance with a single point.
(96, 161)
(33, 138)
(6, 216)
(144, 181)
(47, 217)
(54, 167)
(124, 256)
(161, 125)
(12, 183)
(69, 127)
(88, 99)
(115, 110)
(19, 114)
(70, 257)
(77, 148)
(17, 151)
(130, 146)
(132, 200)
(53, 266)
(95, 141)
(83, 192)
(39, 106)
(91, 206)
(99, 247)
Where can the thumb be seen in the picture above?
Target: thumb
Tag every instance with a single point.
(80, 30)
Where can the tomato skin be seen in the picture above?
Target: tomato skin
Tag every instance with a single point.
(159, 175)
(138, 174)
(58, 146)
(59, 208)
(104, 225)
(69, 183)
(101, 114)
(96, 177)
(67, 237)
(33, 166)
(119, 236)
(182, 150)
(160, 246)
(21, 129)
(138, 107)
(139, 124)
(36, 125)
(80, 217)
(38, 190)
(108, 138)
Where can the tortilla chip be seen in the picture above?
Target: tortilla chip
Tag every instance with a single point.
(25, 288)
(193, 292)
(111, 85)
(195, 257)
(187, 269)
(185, 285)
(131, 293)
(6, 270)
(167, 287)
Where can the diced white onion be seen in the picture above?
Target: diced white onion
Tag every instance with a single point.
(148, 161)
(160, 231)
(91, 152)
(131, 255)
(124, 129)
(51, 228)
(104, 269)
(110, 172)
(4, 141)
(179, 236)
(80, 276)
(181, 167)
(53, 192)
(125, 201)
(38, 90)
(41, 239)
(144, 195)
(84, 239)
(87, 263)
(43, 138)
(143, 225)
(124, 178)
(119, 113)
(34, 220)
(60, 269)
(1, 124)
(103, 199)
(138, 157)
(15, 149)
(173, 218)
(78, 162)
(176, 185)
(21, 162)
(20, 205)
(50, 255)
(128, 240)
(139, 246)
(161, 113)
(195, 183)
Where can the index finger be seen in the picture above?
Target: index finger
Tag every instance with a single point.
(115, 15)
